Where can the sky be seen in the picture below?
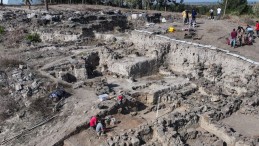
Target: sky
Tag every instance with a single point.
(208, 0)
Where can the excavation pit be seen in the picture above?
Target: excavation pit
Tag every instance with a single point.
(173, 83)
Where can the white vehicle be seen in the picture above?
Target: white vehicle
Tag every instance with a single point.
(153, 2)
(167, 2)
(106, 1)
(111, 2)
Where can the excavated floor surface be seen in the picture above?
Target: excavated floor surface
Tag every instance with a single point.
(245, 124)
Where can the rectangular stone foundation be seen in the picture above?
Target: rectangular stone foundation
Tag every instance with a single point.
(134, 66)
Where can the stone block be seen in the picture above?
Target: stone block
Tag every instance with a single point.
(80, 74)
(18, 87)
(135, 141)
(134, 66)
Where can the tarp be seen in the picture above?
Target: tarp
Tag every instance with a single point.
(21, 2)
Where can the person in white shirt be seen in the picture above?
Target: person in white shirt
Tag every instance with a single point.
(219, 12)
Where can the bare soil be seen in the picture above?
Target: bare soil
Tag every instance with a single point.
(245, 124)
(89, 136)
(212, 32)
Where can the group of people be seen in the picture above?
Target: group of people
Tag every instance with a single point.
(99, 124)
(212, 13)
(241, 36)
(186, 14)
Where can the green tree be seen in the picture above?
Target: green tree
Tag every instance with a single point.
(256, 9)
(132, 3)
(237, 7)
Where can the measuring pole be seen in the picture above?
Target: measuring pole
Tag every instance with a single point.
(157, 106)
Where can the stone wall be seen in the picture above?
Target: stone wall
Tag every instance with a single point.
(82, 26)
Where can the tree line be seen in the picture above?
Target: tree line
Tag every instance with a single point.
(235, 7)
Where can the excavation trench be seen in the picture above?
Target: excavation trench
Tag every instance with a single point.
(179, 92)
(187, 80)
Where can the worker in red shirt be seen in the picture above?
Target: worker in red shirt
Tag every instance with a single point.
(257, 28)
(93, 121)
(233, 35)
(120, 98)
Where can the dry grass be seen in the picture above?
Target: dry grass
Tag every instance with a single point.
(212, 30)
(226, 17)
(7, 107)
(42, 107)
(248, 20)
(8, 61)
(14, 38)
(3, 92)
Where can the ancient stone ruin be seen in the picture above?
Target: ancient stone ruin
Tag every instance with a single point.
(177, 92)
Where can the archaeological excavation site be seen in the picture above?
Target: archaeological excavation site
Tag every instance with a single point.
(60, 68)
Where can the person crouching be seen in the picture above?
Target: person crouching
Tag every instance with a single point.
(100, 128)
(93, 121)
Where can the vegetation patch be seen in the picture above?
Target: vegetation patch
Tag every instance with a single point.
(13, 39)
(256, 10)
(33, 37)
(7, 107)
(2, 30)
(42, 106)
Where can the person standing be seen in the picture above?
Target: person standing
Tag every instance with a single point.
(219, 12)
(211, 14)
(257, 28)
(28, 3)
(194, 14)
(240, 35)
(184, 16)
(187, 16)
(233, 35)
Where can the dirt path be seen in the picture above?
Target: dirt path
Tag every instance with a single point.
(76, 112)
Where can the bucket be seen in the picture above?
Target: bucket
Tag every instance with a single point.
(103, 97)
(171, 29)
